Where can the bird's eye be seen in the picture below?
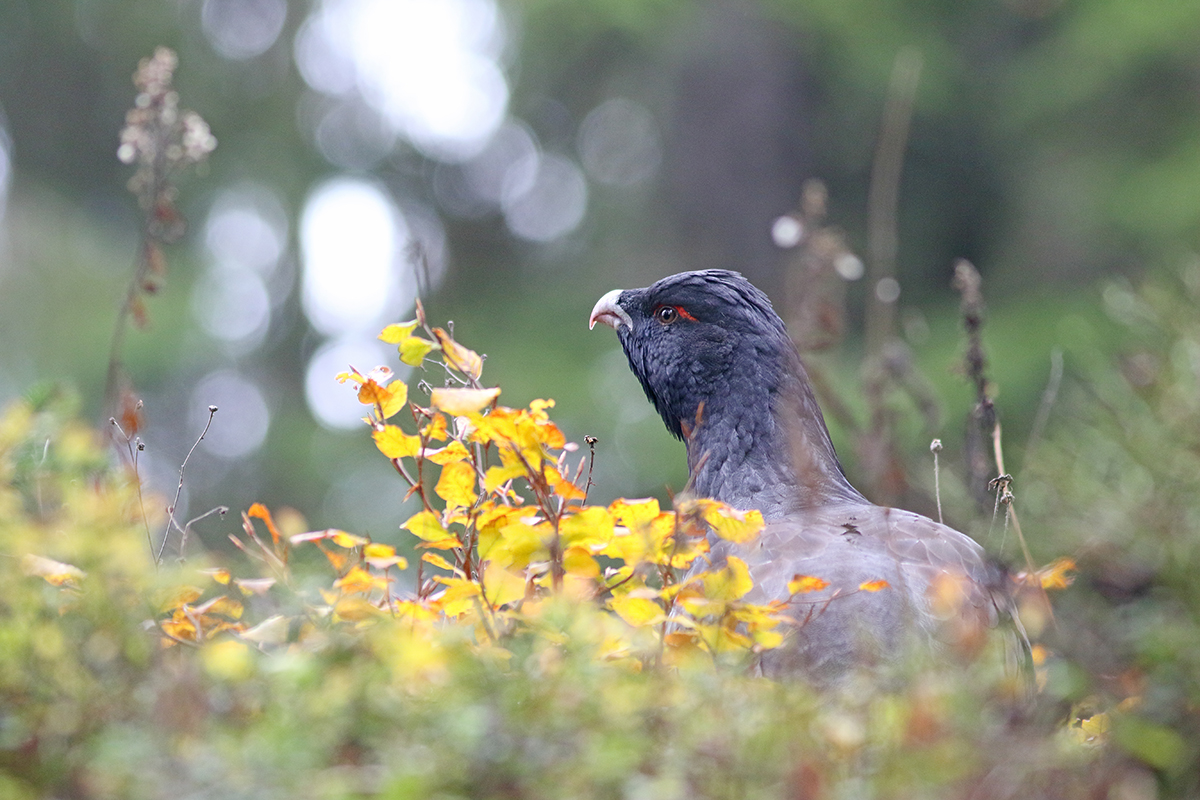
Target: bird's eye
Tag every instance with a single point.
(666, 315)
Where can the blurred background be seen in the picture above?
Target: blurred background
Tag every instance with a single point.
(537, 153)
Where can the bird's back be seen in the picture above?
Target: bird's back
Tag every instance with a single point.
(883, 579)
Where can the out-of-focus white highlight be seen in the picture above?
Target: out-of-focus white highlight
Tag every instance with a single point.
(427, 66)
(247, 228)
(242, 420)
(619, 144)
(787, 231)
(353, 240)
(544, 197)
(242, 29)
(245, 235)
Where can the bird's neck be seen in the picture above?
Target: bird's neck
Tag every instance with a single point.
(765, 446)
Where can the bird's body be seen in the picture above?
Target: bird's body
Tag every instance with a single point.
(718, 365)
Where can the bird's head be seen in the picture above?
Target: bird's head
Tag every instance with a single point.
(699, 342)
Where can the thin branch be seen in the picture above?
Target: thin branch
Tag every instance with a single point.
(137, 478)
(212, 411)
(935, 447)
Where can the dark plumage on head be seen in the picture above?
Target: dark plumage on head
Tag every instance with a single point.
(706, 337)
(717, 363)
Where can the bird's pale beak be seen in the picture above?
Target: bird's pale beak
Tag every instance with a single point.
(607, 311)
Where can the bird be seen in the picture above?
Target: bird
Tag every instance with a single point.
(718, 365)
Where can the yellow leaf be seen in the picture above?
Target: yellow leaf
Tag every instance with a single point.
(218, 574)
(740, 527)
(637, 611)
(460, 595)
(272, 630)
(874, 586)
(456, 485)
(382, 556)
(502, 586)
(455, 451)
(346, 540)
(591, 526)
(730, 583)
(426, 525)
(397, 332)
(439, 561)
(460, 358)
(353, 375)
(55, 572)
(498, 475)
(359, 581)
(395, 443)
(766, 640)
(458, 402)
(634, 513)
(389, 399)
(803, 584)
(519, 543)
(249, 586)
(179, 597)
(578, 561)
(228, 659)
(355, 609)
(226, 607)
(414, 349)
(435, 429)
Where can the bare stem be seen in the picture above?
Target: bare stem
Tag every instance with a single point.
(212, 411)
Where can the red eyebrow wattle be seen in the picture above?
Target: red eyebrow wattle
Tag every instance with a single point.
(683, 313)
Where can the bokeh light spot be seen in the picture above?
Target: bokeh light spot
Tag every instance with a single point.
(242, 29)
(553, 202)
(242, 420)
(353, 240)
(619, 143)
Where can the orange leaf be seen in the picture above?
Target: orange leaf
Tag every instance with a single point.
(359, 581)
(263, 513)
(1056, 574)
(803, 584)
(389, 399)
